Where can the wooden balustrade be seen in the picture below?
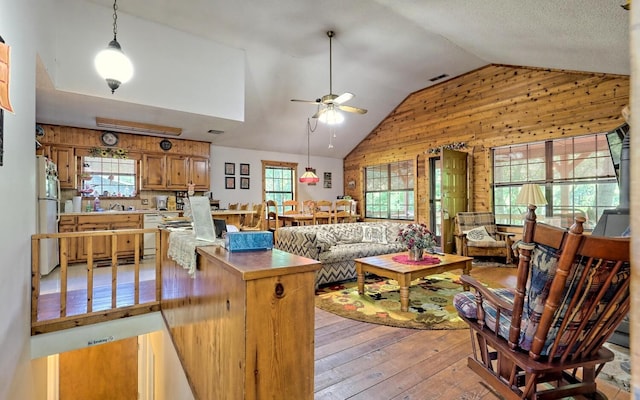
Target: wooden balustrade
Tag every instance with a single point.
(44, 320)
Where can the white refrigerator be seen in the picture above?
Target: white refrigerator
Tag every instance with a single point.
(48, 209)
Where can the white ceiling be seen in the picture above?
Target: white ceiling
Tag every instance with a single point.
(383, 51)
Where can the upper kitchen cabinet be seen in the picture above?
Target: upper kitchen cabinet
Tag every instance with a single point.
(65, 159)
(177, 172)
(153, 172)
(199, 168)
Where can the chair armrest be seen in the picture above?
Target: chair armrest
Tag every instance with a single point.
(486, 294)
(505, 234)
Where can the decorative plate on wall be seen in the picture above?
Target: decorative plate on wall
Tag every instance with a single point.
(109, 138)
(166, 144)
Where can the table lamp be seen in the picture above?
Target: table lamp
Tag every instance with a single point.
(531, 196)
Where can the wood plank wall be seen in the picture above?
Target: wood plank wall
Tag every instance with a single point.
(81, 138)
(493, 106)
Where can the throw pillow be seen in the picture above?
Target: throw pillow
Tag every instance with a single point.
(374, 234)
(325, 239)
(479, 234)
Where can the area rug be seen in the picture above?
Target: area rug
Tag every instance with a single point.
(430, 302)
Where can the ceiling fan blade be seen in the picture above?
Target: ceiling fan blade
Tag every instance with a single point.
(353, 109)
(307, 101)
(343, 98)
(319, 113)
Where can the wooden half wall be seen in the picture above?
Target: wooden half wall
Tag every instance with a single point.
(493, 106)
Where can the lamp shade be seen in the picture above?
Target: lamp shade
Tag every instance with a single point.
(113, 65)
(531, 194)
(331, 116)
(309, 176)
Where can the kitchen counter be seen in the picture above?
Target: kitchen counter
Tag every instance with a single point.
(112, 212)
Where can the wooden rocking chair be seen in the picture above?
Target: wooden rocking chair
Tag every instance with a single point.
(544, 339)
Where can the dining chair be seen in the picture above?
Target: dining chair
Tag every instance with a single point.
(322, 213)
(273, 222)
(290, 207)
(233, 206)
(342, 211)
(254, 223)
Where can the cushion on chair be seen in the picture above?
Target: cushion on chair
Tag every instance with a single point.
(465, 303)
(479, 234)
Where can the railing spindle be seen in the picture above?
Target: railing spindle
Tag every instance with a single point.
(90, 275)
(114, 270)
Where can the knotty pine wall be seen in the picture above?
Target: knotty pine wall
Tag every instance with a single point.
(493, 106)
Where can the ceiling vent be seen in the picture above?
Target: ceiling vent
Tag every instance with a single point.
(439, 77)
(136, 127)
(215, 132)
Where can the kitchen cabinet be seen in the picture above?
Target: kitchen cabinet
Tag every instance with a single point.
(79, 247)
(153, 172)
(65, 159)
(174, 172)
(68, 224)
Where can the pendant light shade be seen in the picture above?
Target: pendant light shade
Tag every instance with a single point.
(111, 63)
(309, 176)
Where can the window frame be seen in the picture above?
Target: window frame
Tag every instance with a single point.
(558, 173)
(130, 156)
(391, 191)
(293, 167)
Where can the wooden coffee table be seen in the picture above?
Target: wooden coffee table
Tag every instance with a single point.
(385, 266)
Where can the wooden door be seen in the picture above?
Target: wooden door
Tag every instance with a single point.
(153, 172)
(178, 172)
(454, 193)
(65, 160)
(200, 172)
(103, 372)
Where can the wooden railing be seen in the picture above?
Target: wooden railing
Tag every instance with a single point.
(51, 312)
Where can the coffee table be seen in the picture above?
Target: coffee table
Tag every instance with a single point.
(384, 265)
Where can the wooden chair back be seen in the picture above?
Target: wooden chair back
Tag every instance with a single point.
(308, 206)
(290, 207)
(256, 220)
(273, 222)
(571, 293)
(322, 213)
(342, 211)
(233, 206)
(496, 244)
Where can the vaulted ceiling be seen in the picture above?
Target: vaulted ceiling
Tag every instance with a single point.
(383, 51)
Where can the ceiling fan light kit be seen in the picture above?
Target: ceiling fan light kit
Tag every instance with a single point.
(331, 104)
(111, 63)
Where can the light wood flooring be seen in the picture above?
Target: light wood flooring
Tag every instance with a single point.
(358, 360)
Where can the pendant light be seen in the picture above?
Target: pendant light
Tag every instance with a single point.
(309, 176)
(112, 64)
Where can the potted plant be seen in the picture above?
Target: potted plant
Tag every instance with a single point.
(417, 238)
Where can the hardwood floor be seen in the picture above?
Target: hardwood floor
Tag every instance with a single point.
(358, 360)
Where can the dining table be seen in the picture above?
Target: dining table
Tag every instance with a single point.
(296, 219)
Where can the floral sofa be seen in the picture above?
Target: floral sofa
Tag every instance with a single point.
(337, 245)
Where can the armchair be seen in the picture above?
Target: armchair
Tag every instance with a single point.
(544, 339)
(476, 234)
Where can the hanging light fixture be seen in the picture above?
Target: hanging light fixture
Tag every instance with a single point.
(112, 64)
(331, 116)
(309, 176)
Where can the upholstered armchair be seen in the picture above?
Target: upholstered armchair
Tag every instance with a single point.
(544, 338)
(476, 234)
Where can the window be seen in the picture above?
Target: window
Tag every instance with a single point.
(108, 177)
(576, 174)
(279, 181)
(389, 191)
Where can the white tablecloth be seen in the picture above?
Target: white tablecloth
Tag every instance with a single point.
(182, 248)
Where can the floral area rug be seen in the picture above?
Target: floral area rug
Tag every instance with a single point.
(430, 302)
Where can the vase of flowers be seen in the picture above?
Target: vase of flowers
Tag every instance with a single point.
(417, 238)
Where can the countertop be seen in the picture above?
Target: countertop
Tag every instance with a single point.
(112, 212)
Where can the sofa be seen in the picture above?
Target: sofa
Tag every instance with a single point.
(337, 245)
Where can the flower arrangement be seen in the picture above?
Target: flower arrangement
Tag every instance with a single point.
(417, 236)
(108, 152)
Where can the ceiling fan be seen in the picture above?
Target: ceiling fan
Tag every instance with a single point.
(331, 102)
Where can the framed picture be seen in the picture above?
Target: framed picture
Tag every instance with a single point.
(327, 180)
(244, 169)
(230, 182)
(244, 183)
(229, 168)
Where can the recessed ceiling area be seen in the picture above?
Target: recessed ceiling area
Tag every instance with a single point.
(383, 51)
